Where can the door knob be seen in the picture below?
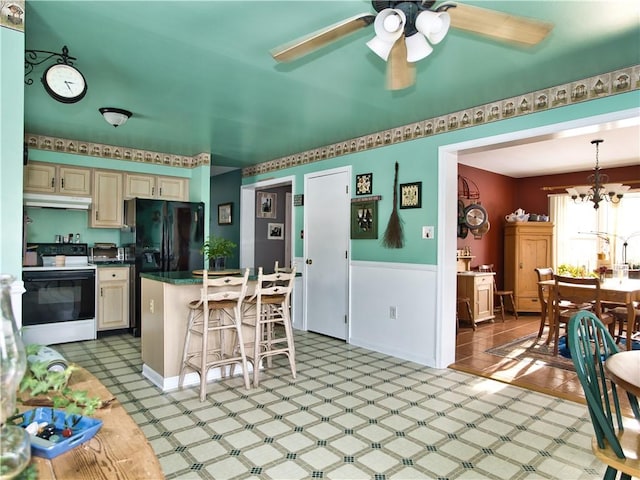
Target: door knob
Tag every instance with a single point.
(308, 261)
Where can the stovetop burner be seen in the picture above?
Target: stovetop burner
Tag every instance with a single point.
(68, 249)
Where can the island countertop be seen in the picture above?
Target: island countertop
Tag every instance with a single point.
(184, 277)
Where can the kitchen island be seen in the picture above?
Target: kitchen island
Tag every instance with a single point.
(164, 303)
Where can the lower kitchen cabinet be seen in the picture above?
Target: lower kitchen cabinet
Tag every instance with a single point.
(478, 288)
(113, 298)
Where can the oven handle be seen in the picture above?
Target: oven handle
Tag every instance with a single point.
(57, 275)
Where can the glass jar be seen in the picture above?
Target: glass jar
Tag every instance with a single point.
(15, 449)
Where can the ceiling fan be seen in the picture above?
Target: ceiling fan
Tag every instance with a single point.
(405, 31)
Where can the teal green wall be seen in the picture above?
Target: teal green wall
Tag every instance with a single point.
(225, 188)
(418, 161)
(11, 148)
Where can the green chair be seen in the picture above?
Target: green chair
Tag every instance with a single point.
(615, 444)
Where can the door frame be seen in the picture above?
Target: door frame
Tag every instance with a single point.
(445, 335)
(248, 213)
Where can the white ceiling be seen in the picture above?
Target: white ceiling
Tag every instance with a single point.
(569, 151)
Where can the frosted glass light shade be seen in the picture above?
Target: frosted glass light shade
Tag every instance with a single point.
(417, 47)
(115, 116)
(388, 25)
(433, 25)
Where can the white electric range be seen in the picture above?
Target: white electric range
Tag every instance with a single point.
(59, 304)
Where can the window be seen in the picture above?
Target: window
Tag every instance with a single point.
(575, 242)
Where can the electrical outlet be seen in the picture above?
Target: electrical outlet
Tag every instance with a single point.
(393, 312)
(428, 232)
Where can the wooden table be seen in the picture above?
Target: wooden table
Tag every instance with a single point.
(611, 290)
(624, 369)
(119, 449)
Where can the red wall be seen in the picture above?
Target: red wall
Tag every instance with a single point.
(501, 195)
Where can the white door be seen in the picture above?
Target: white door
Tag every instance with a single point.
(326, 246)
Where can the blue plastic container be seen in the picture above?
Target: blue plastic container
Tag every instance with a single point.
(84, 430)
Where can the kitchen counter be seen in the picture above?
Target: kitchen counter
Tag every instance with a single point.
(164, 310)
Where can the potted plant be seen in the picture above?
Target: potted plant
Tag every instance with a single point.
(218, 249)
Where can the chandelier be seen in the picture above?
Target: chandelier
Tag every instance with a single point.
(599, 189)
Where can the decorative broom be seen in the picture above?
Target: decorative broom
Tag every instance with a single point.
(393, 235)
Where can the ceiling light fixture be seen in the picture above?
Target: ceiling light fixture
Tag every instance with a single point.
(599, 189)
(421, 28)
(115, 116)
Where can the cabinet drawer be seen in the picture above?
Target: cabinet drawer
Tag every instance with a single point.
(483, 279)
(110, 274)
(528, 304)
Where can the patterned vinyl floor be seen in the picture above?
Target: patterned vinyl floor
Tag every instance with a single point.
(350, 414)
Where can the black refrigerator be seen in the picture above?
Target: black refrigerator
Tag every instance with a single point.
(166, 237)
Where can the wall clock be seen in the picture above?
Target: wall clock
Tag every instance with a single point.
(64, 83)
(475, 216)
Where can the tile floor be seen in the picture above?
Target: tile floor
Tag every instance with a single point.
(350, 414)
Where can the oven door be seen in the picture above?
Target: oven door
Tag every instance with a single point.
(55, 296)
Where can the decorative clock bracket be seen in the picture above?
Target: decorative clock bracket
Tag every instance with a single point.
(32, 58)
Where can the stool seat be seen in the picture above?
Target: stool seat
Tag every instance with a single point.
(214, 330)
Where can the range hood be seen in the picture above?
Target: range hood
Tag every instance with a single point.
(56, 201)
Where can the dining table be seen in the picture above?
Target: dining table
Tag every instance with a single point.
(623, 292)
(623, 368)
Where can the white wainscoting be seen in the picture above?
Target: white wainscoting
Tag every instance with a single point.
(411, 289)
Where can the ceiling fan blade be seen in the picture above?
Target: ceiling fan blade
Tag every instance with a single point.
(499, 25)
(400, 73)
(320, 38)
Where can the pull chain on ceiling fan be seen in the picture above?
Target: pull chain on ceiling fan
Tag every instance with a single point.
(406, 30)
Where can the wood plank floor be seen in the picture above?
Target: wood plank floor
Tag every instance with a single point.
(471, 357)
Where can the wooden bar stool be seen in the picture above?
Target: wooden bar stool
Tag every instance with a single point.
(270, 310)
(500, 294)
(214, 332)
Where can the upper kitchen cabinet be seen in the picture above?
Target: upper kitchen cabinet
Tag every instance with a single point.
(107, 205)
(57, 179)
(153, 186)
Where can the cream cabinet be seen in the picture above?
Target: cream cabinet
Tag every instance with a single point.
(153, 186)
(107, 206)
(478, 288)
(527, 246)
(113, 298)
(57, 179)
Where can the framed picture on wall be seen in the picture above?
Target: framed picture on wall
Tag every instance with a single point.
(364, 220)
(275, 231)
(224, 214)
(266, 205)
(411, 195)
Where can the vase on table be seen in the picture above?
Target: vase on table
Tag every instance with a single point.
(15, 448)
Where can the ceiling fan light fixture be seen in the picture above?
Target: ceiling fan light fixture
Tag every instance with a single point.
(433, 25)
(115, 116)
(417, 47)
(389, 24)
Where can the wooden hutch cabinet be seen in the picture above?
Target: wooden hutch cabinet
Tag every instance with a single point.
(527, 245)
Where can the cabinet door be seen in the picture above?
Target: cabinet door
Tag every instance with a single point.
(113, 300)
(172, 188)
(139, 186)
(484, 300)
(107, 207)
(40, 178)
(534, 251)
(74, 181)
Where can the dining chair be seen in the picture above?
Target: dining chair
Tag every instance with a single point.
(620, 313)
(500, 294)
(616, 437)
(466, 303)
(571, 295)
(269, 311)
(214, 329)
(545, 273)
